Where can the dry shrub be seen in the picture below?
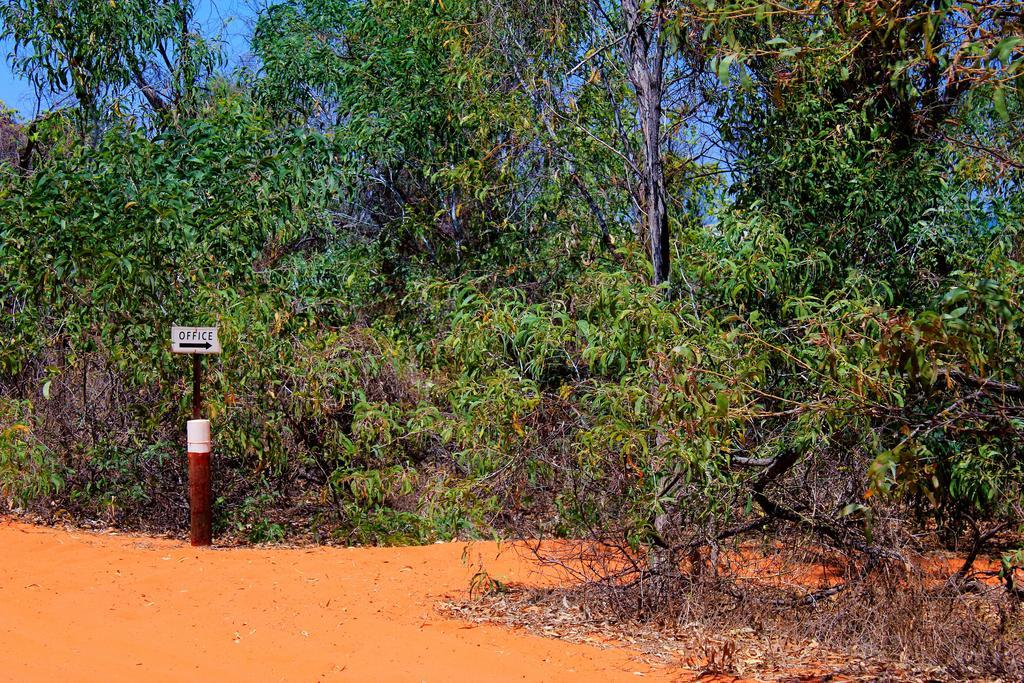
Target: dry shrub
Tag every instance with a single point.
(752, 616)
(101, 436)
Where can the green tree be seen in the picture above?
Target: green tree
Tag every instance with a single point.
(101, 53)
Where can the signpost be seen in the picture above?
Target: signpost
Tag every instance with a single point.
(194, 340)
(197, 342)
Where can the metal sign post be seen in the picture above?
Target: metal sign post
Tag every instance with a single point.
(197, 342)
(197, 387)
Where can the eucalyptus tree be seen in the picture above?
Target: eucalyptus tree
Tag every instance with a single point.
(442, 159)
(110, 57)
(374, 74)
(646, 47)
(838, 118)
(638, 71)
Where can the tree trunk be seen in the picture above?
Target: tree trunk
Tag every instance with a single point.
(646, 52)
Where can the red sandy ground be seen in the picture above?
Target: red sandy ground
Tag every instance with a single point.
(81, 606)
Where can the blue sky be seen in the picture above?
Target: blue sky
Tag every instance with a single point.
(14, 92)
(229, 19)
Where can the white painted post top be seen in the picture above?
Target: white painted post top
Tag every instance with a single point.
(198, 432)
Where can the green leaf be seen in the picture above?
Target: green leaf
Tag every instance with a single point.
(721, 404)
(723, 68)
(1004, 48)
(956, 313)
(999, 102)
(851, 509)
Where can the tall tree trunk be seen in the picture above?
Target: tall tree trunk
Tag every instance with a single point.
(646, 51)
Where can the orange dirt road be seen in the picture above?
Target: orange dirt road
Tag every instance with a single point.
(81, 606)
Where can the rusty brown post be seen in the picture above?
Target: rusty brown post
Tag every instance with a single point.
(199, 489)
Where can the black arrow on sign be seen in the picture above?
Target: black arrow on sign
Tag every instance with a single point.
(187, 345)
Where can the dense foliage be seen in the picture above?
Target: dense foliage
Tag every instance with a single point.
(432, 235)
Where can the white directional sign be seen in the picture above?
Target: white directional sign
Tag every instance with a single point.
(194, 340)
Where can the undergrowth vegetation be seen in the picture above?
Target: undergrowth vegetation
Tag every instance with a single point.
(677, 279)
